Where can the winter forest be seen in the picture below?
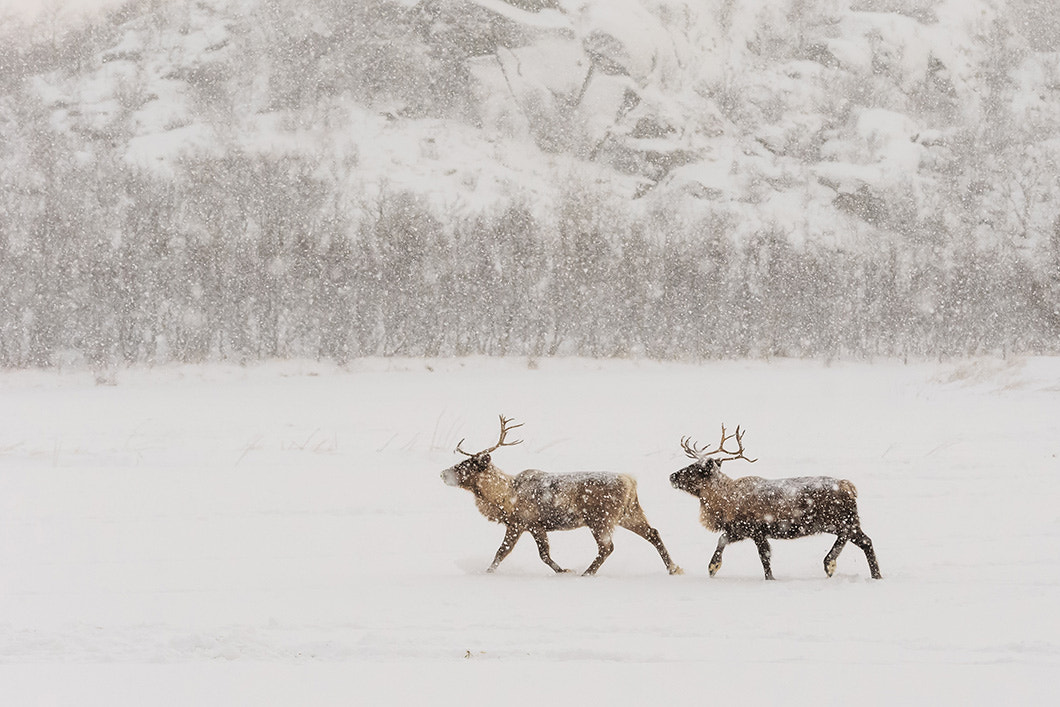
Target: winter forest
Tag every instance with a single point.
(235, 180)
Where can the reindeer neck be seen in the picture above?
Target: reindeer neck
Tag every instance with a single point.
(715, 498)
(495, 494)
(721, 479)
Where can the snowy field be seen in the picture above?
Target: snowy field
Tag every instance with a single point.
(279, 534)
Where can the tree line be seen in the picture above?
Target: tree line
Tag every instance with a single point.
(246, 257)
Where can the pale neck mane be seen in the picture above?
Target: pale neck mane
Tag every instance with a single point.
(716, 498)
(494, 494)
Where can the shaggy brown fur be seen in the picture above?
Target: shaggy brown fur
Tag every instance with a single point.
(757, 508)
(536, 502)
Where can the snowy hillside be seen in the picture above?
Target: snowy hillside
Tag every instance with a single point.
(279, 534)
(833, 111)
(386, 156)
(779, 105)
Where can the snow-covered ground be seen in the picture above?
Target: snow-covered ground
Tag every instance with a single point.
(279, 534)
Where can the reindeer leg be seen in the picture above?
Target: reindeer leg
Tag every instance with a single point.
(541, 538)
(764, 553)
(604, 546)
(863, 541)
(830, 558)
(511, 536)
(715, 562)
(637, 522)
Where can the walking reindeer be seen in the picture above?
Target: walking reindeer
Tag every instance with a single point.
(537, 502)
(760, 509)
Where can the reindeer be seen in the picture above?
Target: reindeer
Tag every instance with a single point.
(757, 508)
(536, 502)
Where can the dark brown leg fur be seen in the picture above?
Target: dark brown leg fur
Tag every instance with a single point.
(511, 536)
(605, 547)
(541, 538)
(764, 553)
(637, 522)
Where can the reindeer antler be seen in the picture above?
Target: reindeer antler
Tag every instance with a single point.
(739, 441)
(695, 452)
(691, 449)
(505, 429)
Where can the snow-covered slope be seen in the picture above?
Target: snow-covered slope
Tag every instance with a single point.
(280, 535)
(830, 119)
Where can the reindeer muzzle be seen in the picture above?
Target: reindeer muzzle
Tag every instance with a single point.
(450, 477)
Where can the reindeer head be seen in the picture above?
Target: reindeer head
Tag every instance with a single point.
(466, 472)
(706, 468)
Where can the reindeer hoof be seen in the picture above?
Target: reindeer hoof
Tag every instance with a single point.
(714, 567)
(676, 570)
(829, 568)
